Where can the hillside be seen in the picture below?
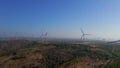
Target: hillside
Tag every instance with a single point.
(36, 54)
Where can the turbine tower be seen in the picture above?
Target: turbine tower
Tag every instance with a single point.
(16, 36)
(83, 34)
(45, 36)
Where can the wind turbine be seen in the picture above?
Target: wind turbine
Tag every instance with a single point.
(83, 34)
(44, 36)
(16, 35)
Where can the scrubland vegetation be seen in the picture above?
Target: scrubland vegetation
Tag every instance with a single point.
(37, 54)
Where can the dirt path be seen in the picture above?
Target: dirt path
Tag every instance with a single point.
(6, 59)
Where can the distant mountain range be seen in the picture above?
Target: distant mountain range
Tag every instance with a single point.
(118, 41)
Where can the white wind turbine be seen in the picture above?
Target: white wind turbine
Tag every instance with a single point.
(83, 34)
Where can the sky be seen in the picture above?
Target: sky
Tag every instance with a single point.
(60, 18)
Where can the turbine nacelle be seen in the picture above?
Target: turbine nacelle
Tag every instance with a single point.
(87, 34)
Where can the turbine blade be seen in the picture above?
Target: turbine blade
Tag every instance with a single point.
(88, 34)
(82, 30)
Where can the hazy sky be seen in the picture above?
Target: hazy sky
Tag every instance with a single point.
(61, 18)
